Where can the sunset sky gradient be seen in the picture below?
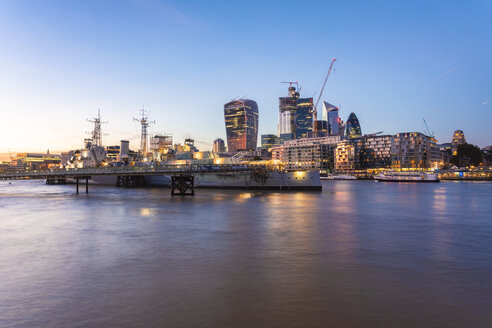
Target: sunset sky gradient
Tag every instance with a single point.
(397, 62)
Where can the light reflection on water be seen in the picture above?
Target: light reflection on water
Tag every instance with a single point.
(359, 253)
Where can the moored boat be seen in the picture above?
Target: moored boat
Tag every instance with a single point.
(339, 177)
(410, 176)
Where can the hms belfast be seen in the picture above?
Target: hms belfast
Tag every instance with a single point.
(241, 117)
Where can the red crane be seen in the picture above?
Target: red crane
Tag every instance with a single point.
(315, 108)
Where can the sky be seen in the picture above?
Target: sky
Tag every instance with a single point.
(397, 63)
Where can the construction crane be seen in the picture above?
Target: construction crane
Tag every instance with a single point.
(374, 134)
(427, 130)
(315, 108)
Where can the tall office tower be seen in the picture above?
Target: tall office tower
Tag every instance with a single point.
(353, 129)
(295, 115)
(330, 113)
(241, 120)
(458, 139)
(219, 146)
(304, 117)
(287, 112)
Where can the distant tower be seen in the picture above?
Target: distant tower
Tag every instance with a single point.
(458, 139)
(330, 113)
(219, 146)
(353, 129)
(241, 120)
(97, 132)
(295, 114)
(144, 123)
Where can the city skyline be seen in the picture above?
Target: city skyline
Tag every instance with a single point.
(63, 61)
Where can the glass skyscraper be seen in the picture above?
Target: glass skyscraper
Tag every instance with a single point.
(353, 129)
(304, 117)
(241, 120)
(330, 113)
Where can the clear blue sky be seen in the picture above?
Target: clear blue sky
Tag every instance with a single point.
(397, 62)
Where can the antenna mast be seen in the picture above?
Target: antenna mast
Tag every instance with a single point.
(97, 132)
(144, 123)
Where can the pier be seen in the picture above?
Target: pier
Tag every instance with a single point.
(130, 176)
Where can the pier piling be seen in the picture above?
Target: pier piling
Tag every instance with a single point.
(183, 185)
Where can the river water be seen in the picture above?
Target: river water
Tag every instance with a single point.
(357, 254)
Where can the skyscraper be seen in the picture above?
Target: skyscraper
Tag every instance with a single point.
(353, 129)
(330, 113)
(241, 120)
(219, 146)
(304, 117)
(295, 115)
(287, 112)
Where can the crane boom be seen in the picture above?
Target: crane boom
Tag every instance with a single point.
(428, 131)
(315, 109)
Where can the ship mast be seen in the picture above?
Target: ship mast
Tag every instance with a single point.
(144, 123)
(97, 131)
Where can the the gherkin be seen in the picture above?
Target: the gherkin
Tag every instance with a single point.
(353, 129)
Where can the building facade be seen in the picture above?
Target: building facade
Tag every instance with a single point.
(414, 150)
(268, 141)
(35, 161)
(367, 152)
(241, 120)
(307, 153)
(458, 139)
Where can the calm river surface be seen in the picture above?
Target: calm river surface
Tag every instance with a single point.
(357, 254)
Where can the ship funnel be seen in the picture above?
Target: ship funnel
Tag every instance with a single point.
(124, 149)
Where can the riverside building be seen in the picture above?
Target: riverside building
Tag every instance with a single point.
(414, 150)
(367, 152)
(241, 120)
(307, 153)
(35, 161)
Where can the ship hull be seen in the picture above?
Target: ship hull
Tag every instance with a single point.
(270, 180)
(246, 180)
